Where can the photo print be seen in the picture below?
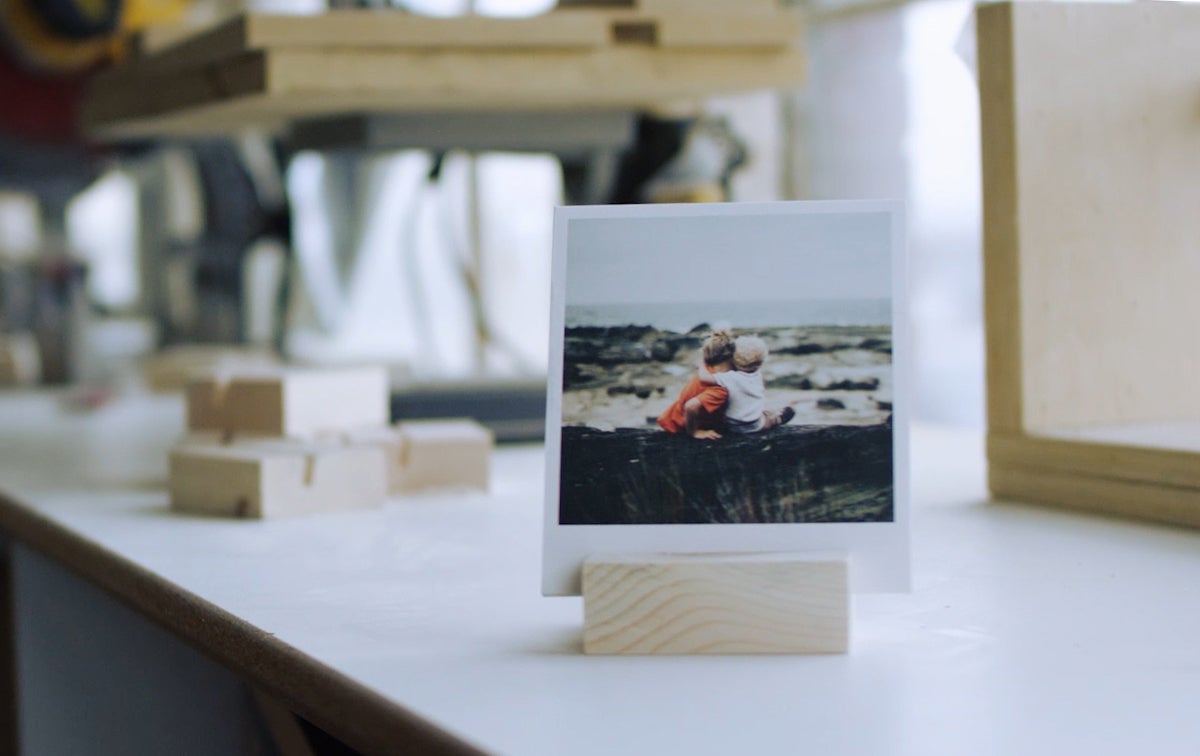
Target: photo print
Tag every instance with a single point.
(727, 378)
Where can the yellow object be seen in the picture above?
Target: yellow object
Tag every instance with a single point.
(38, 45)
(142, 13)
(41, 46)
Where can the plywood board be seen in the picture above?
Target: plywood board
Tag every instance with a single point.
(274, 88)
(396, 30)
(265, 479)
(1108, 459)
(366, 29)
(715, 604)
(1093, 493)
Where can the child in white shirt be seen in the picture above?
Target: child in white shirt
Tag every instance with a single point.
(746, 410)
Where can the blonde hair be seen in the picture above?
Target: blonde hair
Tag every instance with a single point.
(750, 352)
(718, 347)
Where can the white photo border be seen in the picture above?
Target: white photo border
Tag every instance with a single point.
(878, 551)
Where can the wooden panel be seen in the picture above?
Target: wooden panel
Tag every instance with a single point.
(1106, 150)
(261, 479)
(1002, 296)
(715, 604)
(1161, 503)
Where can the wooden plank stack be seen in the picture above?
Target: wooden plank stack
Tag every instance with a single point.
(266, 71)
(1091, 153)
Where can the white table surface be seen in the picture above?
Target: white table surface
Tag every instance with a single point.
(1028, 630)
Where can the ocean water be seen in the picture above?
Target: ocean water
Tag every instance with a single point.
(684, 317)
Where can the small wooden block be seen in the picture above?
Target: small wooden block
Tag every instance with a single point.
(20, 360)
(294, 402)
(443, 453)
(274, 478)
(173, 368)
(715, 604)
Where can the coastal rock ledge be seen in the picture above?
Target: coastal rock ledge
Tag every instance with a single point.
(791, 474)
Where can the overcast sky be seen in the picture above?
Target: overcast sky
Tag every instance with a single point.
(729, 258)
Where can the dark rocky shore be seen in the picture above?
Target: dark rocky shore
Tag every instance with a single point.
(830, 473)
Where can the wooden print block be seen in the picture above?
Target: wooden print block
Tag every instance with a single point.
(715, 604)
(295, 402)
(443, 453)
(261, 479)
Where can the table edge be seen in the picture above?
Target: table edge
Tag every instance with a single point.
(348, 710)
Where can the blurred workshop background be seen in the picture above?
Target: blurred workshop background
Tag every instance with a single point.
(437, 261)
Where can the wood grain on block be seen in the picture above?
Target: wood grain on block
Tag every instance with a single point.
(715, 604)
(443, 454)
(293, 402)
(275, 478)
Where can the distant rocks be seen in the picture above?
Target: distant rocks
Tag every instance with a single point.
(791, 381)
(829, 403)
(624, 345)
(641, 392)
(849, 384)
(823, 383)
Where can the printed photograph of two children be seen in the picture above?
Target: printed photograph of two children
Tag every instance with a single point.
(727, 368)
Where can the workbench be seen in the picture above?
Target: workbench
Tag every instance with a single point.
(419, 627)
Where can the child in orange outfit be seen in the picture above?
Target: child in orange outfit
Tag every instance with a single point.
(700, 409)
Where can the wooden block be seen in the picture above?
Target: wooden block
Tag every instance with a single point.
(175, 367)
(431, 454)
(272, 478)
(715, 604)
(443, 453)
(293, 402)
(20, 360)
